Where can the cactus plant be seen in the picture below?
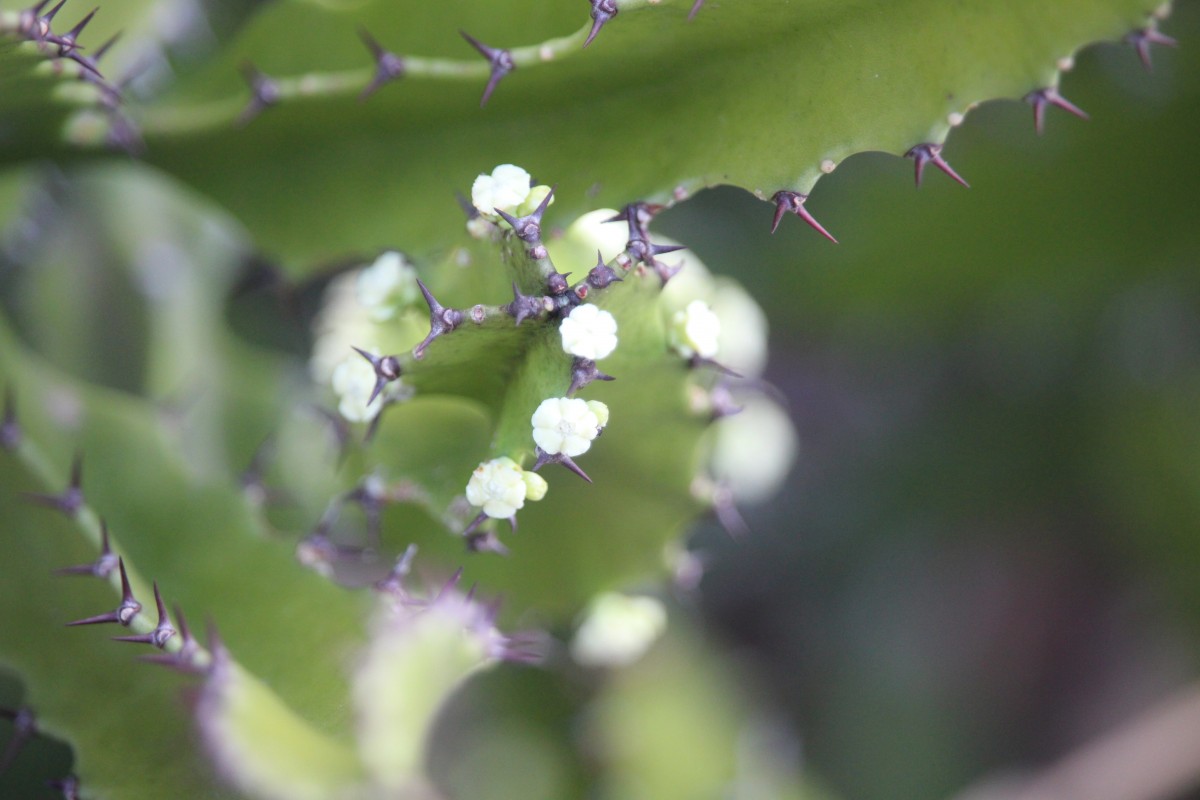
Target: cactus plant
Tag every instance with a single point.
(461, 382)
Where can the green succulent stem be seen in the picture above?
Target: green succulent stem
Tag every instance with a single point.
(183, 119)
(87, 521)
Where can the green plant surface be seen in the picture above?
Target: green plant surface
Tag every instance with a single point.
(763, 95)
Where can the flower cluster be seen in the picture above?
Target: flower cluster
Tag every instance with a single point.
(509, 189)
(567, 426)
(500, 487)
(695, 331)
(387, 285)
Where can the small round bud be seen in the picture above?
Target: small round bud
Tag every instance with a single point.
(565, 425)
(589, 332)
(505, 189)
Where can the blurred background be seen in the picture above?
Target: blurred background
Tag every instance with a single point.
(988, 553)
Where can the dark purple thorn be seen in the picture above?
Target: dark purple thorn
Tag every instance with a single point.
(529, 227)
(450, 585)
(583, 372)
(501, 62)
(67, 43)
(667, 271)
(602, 275)
(930, 153)
(485, 542)
(27, 21)
(24, 727)
(697, 361)
(442, 320)
(123, 613)
(638, 216)
(544, 458)
(641, 249)
(1143, 39)
(602, 12)
(695, 10)
(103, 49)
(10, 431)
(71, 500)
(387, 369)
(467, 206)
(474, 524)
(42, 25)
(183, 660)
(162, 631)
(338, 427)
(264, 93)
(393, 582)
(524, 306)
(103, 566)
(786, 201)
(1050, 96)
(388, 65)
(557, 283)
(69, 786)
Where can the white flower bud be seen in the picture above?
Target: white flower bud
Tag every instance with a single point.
(618, 630)
(498, 487)
(589, 332)
(386, 285)
(695, 330)
(565, 425)
(505, 189)
(535, 486)
(601, 412)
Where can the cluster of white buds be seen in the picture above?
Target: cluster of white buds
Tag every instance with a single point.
(508, 188)
(567, 426)
(500, 487)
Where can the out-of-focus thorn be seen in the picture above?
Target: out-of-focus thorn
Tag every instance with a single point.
(602, 12)
(10, 430)
(583, 372)
(1143, 39)
(727, 513)
(393, 582)
(264, 93)
(699, 362)
(695, 10)
(68, 42)
(930, 153)
(638, 216)
(786, 201)
(501, 62)
(388, 65)
(71, 499)
(485, 542)
(185, 658)
(1050, 97)
(69, 786)
(162, 631)
(124, 613)
(104, 564)
(24, 727)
